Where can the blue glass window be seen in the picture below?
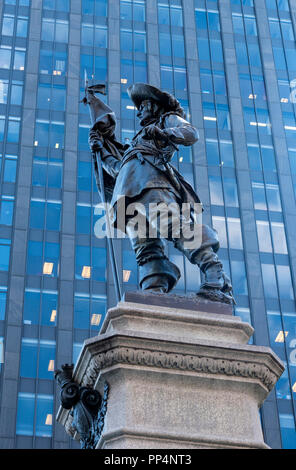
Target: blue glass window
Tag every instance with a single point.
(230, 192)
(3, 91)
(8, 25)
(239, 278)
(130, 269)
(2, 127)
(40, 308)
(165, 44)
(133, 41)
(22, 27)
(35, 264)
(178, 45)
(212, 150)
(4, 254)
(3, 294)
(87, 267)
(13, 130)
(6, 210)
(89, 312)
(234, 233)
(201, 19)
(25, 414)
(47, 173)
(27, 402)
(45, 215)
(219, 224)
(285, 282)
(5, 57)
(52, 62)
(94, 7)
(132, 10)
(56, 5)
(16, 96)
(264, 237)
(83, 218)
(288, 431)
(216, 191)
(269, 281)
(203, 49)
(85, 176)
(54, 30)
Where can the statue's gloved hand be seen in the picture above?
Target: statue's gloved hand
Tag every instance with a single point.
(95, 141)
(154, 132)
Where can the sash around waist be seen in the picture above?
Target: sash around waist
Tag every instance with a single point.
(140, 152)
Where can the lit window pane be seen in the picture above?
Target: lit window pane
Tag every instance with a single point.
(19, 60)
(46, 359)
(44, 416)
(130, 270)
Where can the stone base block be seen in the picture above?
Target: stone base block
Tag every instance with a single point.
(179, 378)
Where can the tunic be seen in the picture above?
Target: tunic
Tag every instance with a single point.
(146, 163)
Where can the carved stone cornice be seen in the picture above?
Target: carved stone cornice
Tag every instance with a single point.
(184, 362)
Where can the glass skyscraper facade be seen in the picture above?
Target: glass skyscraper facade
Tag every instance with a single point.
(232, 65)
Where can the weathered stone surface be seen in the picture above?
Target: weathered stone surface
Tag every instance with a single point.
(178, 378)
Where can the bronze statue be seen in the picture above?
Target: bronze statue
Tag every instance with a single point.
(141, 172)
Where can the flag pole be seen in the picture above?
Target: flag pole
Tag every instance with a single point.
(101, 189)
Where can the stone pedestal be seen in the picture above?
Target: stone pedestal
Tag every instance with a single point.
(181, 375)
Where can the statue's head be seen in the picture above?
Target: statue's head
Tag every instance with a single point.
(148, 110)
(152, 102)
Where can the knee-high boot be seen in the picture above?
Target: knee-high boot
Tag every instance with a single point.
(216, 284)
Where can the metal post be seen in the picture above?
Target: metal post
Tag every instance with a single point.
(109, 239)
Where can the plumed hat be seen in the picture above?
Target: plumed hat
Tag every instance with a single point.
(139, 92)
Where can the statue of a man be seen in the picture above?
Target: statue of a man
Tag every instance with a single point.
(141, 172)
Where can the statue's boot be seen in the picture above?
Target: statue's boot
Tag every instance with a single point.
(158, 284)
(216, 284)
(158, 275)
